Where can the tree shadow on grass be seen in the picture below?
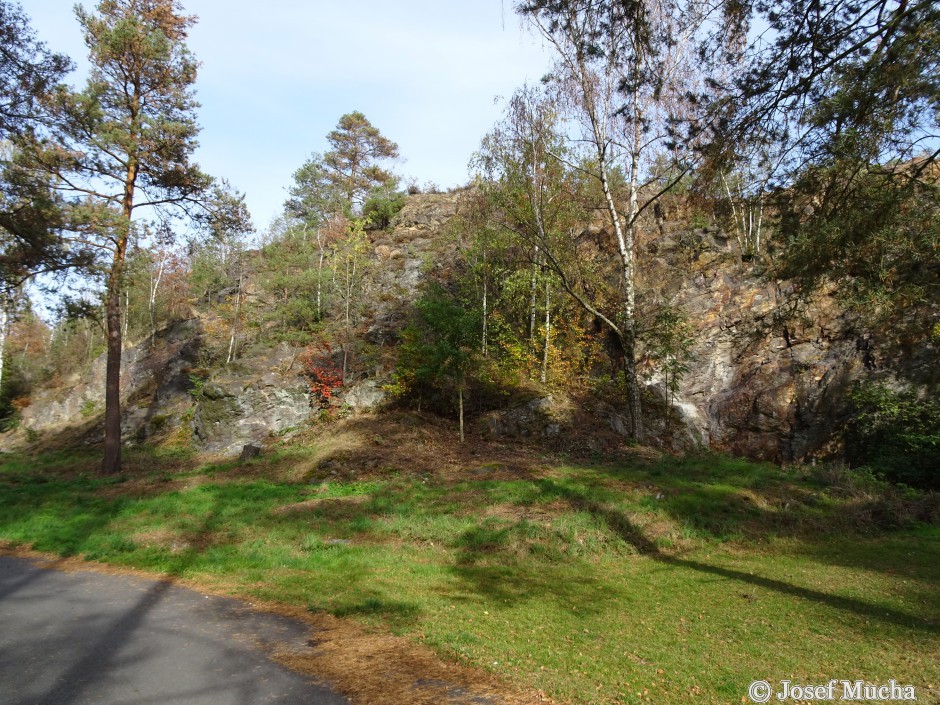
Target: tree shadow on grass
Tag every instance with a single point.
(821, 508)
(623, 527)
(398, 615)
(516, 583)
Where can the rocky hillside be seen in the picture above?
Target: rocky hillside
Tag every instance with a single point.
(767, 379)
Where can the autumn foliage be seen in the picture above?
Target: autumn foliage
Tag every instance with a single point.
(323, 375)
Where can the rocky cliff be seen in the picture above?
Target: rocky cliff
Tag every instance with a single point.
(768, 377)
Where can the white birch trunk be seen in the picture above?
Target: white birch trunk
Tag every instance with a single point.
(548, 332)
(232, 336)
(154, 288)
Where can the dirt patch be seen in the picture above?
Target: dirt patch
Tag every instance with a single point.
(309, 505)
(536, 513)
(416, 444)
(381, 669)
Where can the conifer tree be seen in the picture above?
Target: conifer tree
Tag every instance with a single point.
(123, 144)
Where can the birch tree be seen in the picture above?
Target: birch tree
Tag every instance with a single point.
(619, 66)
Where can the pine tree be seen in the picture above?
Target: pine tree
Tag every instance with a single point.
(123, 144)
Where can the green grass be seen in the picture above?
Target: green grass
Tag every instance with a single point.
(674, 582)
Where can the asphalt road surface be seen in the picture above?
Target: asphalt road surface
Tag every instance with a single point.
(87, 638)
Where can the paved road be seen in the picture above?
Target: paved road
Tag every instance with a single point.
(86, 638)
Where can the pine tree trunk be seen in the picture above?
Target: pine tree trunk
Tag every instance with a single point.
(111, 464)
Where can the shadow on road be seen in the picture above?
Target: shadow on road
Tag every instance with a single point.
(79, 637)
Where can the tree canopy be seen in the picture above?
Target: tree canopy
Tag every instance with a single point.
(341, 179)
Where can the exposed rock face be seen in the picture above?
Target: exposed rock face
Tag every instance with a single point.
(243, 404)
(364, 396)
(428, 212)
(154, 388)
(765, 382)
(248, 402)
(544, 417)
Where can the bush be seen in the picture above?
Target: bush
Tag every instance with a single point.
(896, 434)
(381, 206)
(322, 373)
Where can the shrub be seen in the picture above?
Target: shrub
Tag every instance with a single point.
(323, 375)
(896, 434)
(381, 206)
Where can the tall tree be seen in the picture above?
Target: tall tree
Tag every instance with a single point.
(28, 213)
(624, 69)
(28, 76)
(352, 163)
(849, 92)
(122, 144)
(28, 71)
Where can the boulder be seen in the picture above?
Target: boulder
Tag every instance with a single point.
(364, 396)
(543, 417)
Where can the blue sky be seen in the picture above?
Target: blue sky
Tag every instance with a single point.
(277, 74)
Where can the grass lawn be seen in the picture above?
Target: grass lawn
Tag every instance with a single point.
(661, 580)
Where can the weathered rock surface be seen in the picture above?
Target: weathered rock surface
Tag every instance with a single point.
(249, 402)
(768, 381)
(367, 395)
(544, 417)
(765, 381)
(163, 393)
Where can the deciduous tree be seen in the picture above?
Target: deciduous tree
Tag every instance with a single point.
(623, 68)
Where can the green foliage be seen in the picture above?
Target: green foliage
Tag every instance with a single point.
(439, 350)
(30, 211)
(896, 434)
(73, 346)
(314, 196)
(216, 260)
(357, 147)
(197, 382)
(880, 240)
(343, 178)
(382, 204)
(290, 279)
(89, 408)
(669, 344)
(856, 183)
